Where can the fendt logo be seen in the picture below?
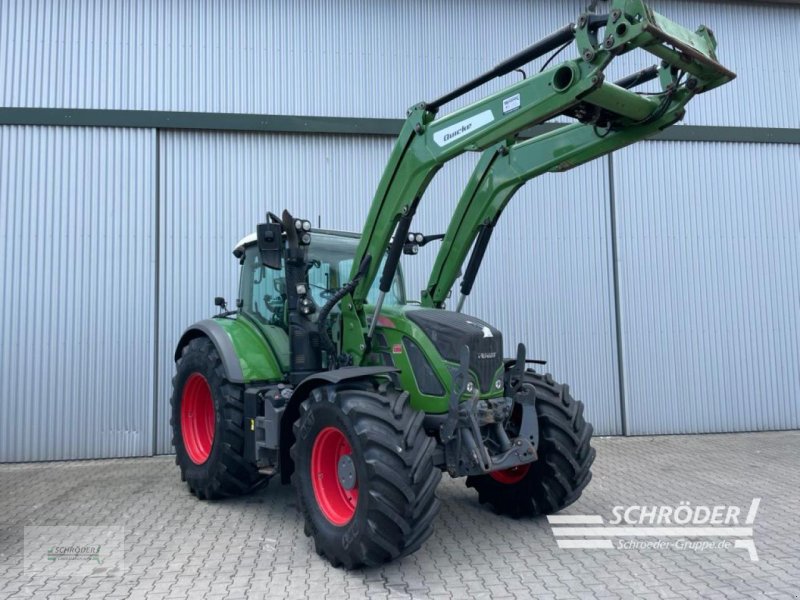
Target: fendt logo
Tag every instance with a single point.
(486, 355)
(663, 527)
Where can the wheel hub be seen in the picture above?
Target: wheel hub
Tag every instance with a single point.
(347, 472)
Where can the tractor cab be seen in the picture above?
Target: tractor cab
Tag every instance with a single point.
(263, 295)
(262, 290)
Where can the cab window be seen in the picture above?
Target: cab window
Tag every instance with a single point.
(262, 290)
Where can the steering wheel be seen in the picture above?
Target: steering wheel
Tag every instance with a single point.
(326, 293)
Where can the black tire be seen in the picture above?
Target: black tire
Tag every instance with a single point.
(563, 468)
(396, 478)
(224, 472)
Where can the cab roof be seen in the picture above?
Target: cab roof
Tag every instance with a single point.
(250, 239)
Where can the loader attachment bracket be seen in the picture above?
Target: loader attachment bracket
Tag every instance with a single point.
(521, 453)
(681, 48)
(633, 24)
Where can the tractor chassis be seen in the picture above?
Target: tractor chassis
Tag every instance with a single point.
(464, 433)
(264, 406)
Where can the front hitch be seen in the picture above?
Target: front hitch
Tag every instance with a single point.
(467, 424)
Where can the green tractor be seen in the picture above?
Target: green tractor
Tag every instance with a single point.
(325, 375)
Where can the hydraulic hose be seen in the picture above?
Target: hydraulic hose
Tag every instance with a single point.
(390, 267)
(322, 319)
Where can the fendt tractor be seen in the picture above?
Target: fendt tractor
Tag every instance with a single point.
(325, 375)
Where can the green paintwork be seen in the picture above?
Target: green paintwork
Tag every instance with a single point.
(255, 355)
(402, 327)
(421, 149)
(619, 100)
(278, 341)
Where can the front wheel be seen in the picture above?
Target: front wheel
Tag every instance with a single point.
(364, 474)
(563, 468)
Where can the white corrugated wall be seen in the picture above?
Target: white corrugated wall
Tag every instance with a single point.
(78, 259)
(710, 286)
(356, 58)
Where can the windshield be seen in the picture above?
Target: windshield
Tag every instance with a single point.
(334, 254)
(263, 291)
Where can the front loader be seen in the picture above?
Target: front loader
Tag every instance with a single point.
(327, 377)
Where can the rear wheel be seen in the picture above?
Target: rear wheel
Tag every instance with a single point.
(563, 468)
(364, 474)
(208, 425)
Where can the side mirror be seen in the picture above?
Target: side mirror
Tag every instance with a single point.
(270, 244)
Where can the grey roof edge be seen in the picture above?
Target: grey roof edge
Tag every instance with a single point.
(88, 117)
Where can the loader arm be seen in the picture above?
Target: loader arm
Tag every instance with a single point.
(502, 171)
(574, 88)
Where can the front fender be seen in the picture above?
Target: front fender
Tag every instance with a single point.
(337, 376)
(245, 354)
(301, 392)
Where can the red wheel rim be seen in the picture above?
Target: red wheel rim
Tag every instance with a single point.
(336, 503)
(512, 475)
(197, 418)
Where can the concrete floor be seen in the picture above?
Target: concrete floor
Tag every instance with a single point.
(254, 547)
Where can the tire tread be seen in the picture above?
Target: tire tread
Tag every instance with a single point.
(402, 500)
(232, 474)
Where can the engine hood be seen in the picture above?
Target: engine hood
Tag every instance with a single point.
(450, 331)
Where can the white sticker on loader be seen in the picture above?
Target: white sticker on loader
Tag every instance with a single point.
(511, 103)
(462, 128)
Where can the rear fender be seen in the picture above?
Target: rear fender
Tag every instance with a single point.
(246, 356)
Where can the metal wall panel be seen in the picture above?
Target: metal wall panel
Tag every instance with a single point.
(76, 350)
(710, 286)
(356, 58)
(550, 251)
